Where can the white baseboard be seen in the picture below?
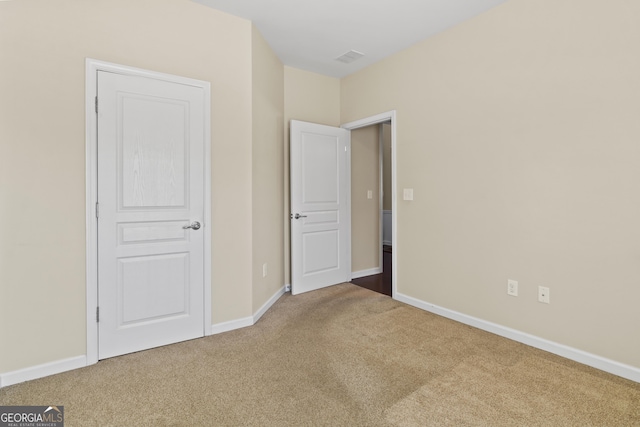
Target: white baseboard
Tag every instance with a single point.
(611, 366)
(287, 287)
(44, 370)
(267, 305)
(365, 273)
(219, 328)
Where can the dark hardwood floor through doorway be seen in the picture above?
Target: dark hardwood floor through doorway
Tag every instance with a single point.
(379, 282)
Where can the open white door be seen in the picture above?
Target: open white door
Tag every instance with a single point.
(320, 211)
(151, 212)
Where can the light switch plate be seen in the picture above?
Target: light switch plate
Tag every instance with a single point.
(407, 194)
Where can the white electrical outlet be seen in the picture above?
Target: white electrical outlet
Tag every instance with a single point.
(544, 295)
(369, 194)
(264, 270)
(512, 287)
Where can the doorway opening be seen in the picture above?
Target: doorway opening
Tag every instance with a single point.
(381, 278)
(371, 207)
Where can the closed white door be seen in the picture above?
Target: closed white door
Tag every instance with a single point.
(320, 188)
(150, 187)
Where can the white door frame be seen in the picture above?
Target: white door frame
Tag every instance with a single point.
(380, 196)
(373, 120)
(92, 67)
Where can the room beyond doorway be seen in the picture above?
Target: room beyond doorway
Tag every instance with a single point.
(380, 283)
(386, 257)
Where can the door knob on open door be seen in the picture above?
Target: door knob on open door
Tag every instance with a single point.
(298, 216)
(195, 225)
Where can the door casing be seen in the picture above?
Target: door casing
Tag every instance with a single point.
(92, 66)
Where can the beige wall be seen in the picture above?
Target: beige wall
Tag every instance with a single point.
(309, 97)
(43, 46)
(386, 166)
(365, 213)
(518, 131)
(268, 171)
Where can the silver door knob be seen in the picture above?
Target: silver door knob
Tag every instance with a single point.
(195, 225)
(298, 216)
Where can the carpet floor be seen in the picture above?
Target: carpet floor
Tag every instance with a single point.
(341, 356)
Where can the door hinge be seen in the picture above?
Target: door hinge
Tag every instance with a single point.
(97, 210)
(97, 314)
(96, 105)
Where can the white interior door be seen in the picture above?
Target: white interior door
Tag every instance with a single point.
(320, 211)
(150, 187)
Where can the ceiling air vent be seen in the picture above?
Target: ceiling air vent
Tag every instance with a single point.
(350, 56)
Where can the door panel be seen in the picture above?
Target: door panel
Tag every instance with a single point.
(320, 251)
(153, 287)
(150, 186)
(320, 164)
(152, 152)
(320, 185)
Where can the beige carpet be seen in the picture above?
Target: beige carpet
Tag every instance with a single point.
(342, 356)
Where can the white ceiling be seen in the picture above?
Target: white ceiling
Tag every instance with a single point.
(310, 34)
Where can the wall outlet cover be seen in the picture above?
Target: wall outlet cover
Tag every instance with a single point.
(512, 288)
(544, 294)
